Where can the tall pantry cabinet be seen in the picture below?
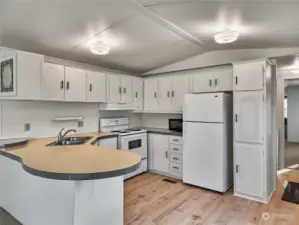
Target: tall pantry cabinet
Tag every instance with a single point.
(254, 132)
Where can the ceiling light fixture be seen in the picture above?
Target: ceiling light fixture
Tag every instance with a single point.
(226, 36)
(99, 48)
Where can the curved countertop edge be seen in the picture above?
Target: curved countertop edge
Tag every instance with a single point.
(71, 176)
(103, 137)
(20, 143)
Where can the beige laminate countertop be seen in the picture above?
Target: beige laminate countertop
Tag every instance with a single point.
(76, 162)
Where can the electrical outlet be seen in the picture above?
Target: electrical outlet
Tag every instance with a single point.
(80, 123)
(27, 127)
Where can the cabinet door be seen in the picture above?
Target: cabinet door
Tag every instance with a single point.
(150, 94)
(164, 93)
(75, 80)
(151, 151)
(29, 68)
(249, 116)
(138, 93)
(249, 76)
(8, 73)
(249, 170)
(115, 89)
(161, 153)
(224, 81)
(204, 81)
(96, 86)
(53, 82)
(127, 87)
(180, 87)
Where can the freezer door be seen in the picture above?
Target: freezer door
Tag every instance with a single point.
(204, 107)
(204, 160)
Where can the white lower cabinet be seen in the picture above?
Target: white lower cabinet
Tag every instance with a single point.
(108, 142)
(249, 169)
(161, 156)
(161, 153)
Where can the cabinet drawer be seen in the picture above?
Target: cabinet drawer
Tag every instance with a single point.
(176, 158)
(176, 148)
(176, 169)
(176, 140)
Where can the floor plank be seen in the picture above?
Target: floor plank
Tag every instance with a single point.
(151, 201)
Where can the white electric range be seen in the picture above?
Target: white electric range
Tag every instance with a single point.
(134, 140)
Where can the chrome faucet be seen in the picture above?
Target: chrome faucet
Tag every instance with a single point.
(61, 136)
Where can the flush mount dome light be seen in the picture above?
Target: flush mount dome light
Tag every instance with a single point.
(226, 36)
(99, 48)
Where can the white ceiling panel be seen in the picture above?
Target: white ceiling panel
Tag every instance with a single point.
(138, 44)
(56, 26)
(252, 18)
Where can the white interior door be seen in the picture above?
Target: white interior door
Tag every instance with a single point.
(249, 116)
(53, 84)
(203, 107)
(150, 94)
(75, 89)
(180, 87)
(249, 76)
(161, 153)
(249, 169)
(115, 90)
(127, 86)
(165, 88)
(204, 155)
(138, 93)
(96, 86)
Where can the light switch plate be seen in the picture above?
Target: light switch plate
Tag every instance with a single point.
(27, 127)
(80, 123)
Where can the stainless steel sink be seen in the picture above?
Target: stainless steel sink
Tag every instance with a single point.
(71, 141)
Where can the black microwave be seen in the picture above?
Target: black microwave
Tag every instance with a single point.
(175, 125)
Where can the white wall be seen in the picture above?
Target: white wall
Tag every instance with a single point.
(293, 114)
(224, 57)
(158, 120)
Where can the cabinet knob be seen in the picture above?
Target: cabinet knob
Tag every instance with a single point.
(166, 154)
(119, 90)
(175, 167)
(62, 84)
(167, 94)
(155, 94)
(90, 87)
(136, 94)
(67, 85)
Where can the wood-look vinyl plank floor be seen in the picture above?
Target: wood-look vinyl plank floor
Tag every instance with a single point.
(151, 201)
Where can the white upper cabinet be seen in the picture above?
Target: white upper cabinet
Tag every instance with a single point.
(53, 82)
(180, 87)
(213, 79)
(29, 70)
(120, 88)
(127, 89)
(138, 93)
(8, 72)
(248, 107)
(75, 84)
(150, 94)
(249, 75)
(164, 93)
(115, 89)
(249, 169)
(96, 86)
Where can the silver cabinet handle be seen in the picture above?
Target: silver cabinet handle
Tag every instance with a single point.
(237, 168)
(216, 82)
(125, 89)
(175, 140)
(90, 87)
(236, 118)
(210, 83)
(155, 94)
(136, 94)
(175, 149)
(119, 90)
(67, 85)
(175, 158)
(236, 80)
(167, 94)
(172, 93)
(62, 84)
(175, 167)
(166, 154)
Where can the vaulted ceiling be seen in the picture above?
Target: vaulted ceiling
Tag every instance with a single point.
(144, 34)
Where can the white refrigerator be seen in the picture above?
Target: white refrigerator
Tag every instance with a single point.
(208, 141)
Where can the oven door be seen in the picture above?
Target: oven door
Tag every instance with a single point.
(136, 143)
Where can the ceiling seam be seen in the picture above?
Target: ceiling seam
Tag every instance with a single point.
(167, 24)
